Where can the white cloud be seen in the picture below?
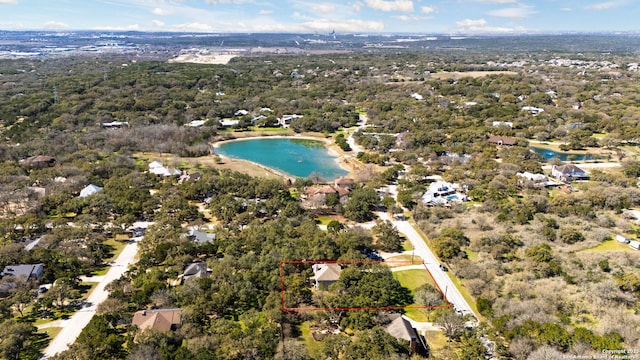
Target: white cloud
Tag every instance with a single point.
(216, 2)
(357, 6)
(54, 25)
(396, 5)
(497, 1)
(518, 13)
(344, 25)
(161, 12)
(566, 9)
(469, 23)
(158, 23)
(132, 27)
(427, 9)
(323, 8)
(195, 26)
(603, 6)
(8, 2)
(265, 12)
(481, 26)
(412, 17)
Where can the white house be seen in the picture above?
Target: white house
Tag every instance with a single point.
(634, 244)
(285, 120)
(416, 96)
(568, 172)
(229, 122)
(325, 274)
(196, 123)
(115, 125)
(443, 193)
(157, 168)
(90, 190)
(533, 110)
(508, 124)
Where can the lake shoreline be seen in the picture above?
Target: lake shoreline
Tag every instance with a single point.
(332, 149)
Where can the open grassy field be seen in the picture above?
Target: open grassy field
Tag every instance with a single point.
(412, 279)
(117, 243)
(314, 347)
(438, 344)
(609, 245)
(443, 75)
(51, 331)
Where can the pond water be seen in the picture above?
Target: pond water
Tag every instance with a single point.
(563, 156)
(295, 157)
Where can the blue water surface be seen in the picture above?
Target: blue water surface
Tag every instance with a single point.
(295, 157)
(563, 156)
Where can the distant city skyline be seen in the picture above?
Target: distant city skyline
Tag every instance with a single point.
(306, 16)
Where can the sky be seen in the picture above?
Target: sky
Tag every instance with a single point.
(324, 16)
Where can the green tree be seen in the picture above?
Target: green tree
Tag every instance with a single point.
(387, 236)
(18, 341)
(570, 236)
(405, 198)
(360, 205)
(446, 248)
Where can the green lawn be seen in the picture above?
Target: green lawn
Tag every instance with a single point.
(609, 245)
(407, 246)
(412, 279)
(271, 130)
(118, 243)
(51, 331)
(472, 255)
(418, 314)
(313, 347)
(324, 220)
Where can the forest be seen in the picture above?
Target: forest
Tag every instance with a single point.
(541, 264)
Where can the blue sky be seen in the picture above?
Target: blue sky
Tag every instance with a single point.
(308, 16)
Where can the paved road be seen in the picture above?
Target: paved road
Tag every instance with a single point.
(72, 327)
(351, 141)
(441, 278)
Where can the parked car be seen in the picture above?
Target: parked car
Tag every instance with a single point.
(443, 268)
(372, 254)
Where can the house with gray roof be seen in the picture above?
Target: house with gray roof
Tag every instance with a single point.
(325, 274)
(200, 237)
(196, 270)
(13, 276)
(90, 190)
(568, 173)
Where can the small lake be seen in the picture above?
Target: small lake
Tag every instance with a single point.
(295, 157)
(561, 155)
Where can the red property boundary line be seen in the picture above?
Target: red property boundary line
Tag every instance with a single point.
(360, 262)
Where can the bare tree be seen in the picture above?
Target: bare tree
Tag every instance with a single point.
(451, 323)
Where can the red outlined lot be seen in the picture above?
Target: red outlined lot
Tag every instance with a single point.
(392, 263)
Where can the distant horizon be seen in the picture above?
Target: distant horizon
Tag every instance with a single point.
(306, 16)
(337, 34)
